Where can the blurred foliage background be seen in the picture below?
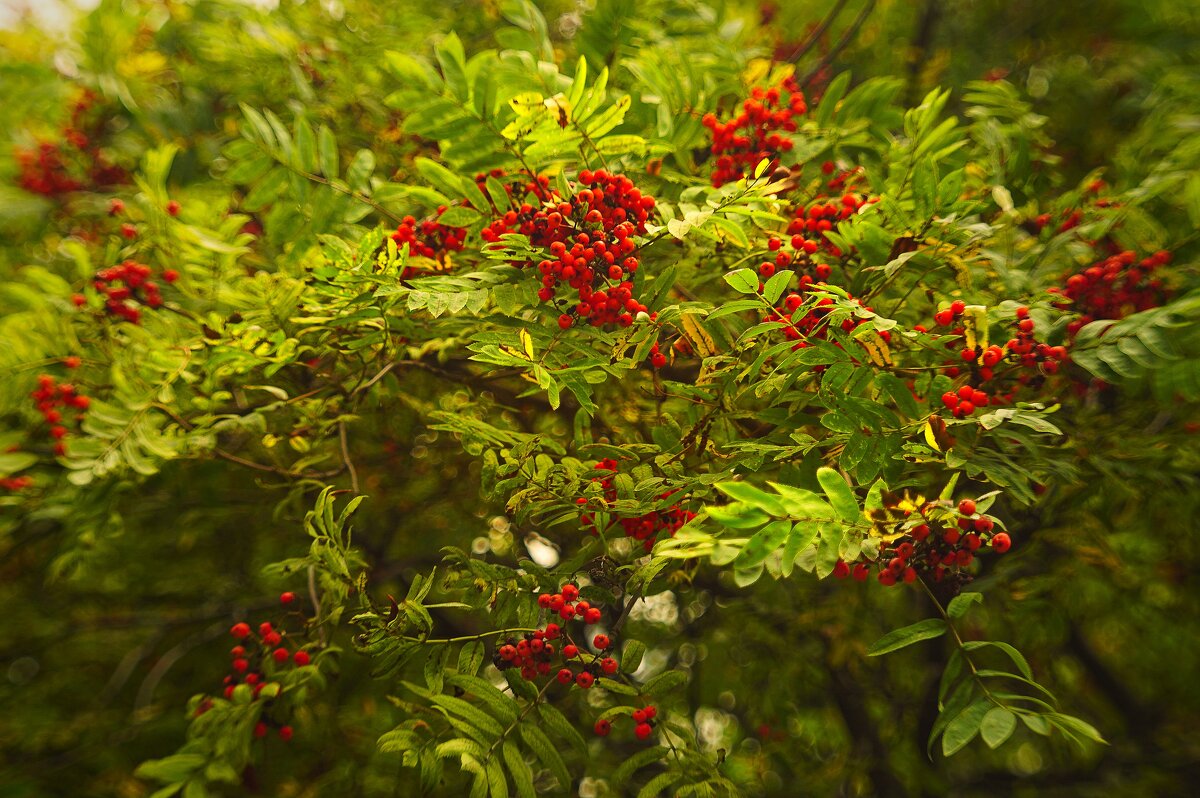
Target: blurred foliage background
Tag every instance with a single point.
(114, 612)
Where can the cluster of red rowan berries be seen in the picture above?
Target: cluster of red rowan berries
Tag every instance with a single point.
(939, 544)
(1021, 361)
(590, 239)
(1113, 288)
(536, 652)
(428, 238)
(255, 655)
(643, 720)
(740, 143)
(645, 527)
(812, 323)
(54, 401)
(126, 286)
(55, 168)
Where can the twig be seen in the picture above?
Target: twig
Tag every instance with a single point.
(803, 48)
(847, 37)
(346, 457)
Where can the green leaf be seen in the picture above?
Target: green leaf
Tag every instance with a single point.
(631, 655)
(664, 683)
(963, 728)
(997, 726)
(744, 281)
(470, 657)
(775, 286)
(763, 543)
(172, 768)
(838, 491)
(327, 152)
(520, 770)
(546, 753)
(1075, 728)
(755, 497)
(915, 633)
(959, 605)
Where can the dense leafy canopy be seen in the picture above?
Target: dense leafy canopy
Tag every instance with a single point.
(659, 398)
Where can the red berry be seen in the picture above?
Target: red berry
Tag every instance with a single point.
(265, 628)
(565, 676)
(128, 230)
(609, 665)
(601, 641)
(173, 208)
(285, 733)
(944, 318)
(301, 658)
(643, 730)
(585, 679)
(240, 665)
(1001, 542)
(170, 275)
(260, 729)
(592, 616)
(565, 321)
(281, 655)
(569, 651)
(602, 727)
(240, 630)
(287, 598)
(966, 507)
(957, 307)
(273, 639)
(570, 592)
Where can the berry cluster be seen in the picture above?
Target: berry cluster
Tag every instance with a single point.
(428, 238)
(643, 720)
(646, 527)
(590, 242)
(1022, 361)
(1113, 288)
(125, 286)
(55, 400)
(535, 653)
(810, 321)
(257, 658)
(812, 220)
(754, 134)
(925, 540)
(56, 168)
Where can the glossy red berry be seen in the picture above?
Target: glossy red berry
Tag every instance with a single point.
(570, 592)
(240, 630)
(601, 641)
(287, 598)
(565, 321)
(570, 652)
(966, 507)
(281, 655)
(565, 676)
(173, 208)
(585, 680)
(592, 616)
(643, 730)
(301, 658)
(1001, 542)
(609, 666)
(602, 727)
